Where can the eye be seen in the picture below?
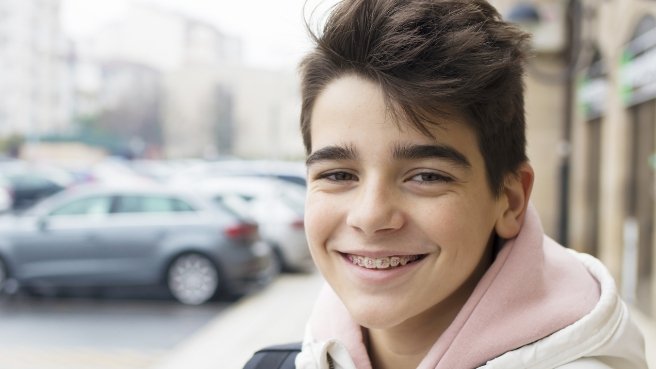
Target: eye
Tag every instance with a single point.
(431, 177)
(337, 176)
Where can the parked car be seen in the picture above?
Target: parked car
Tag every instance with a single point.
(99, 235)
(28, 183)
(276, 205)
(6, 196)
(293, 172)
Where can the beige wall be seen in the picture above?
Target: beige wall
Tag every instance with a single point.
(544, 119)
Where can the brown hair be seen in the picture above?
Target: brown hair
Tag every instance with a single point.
(430, 57)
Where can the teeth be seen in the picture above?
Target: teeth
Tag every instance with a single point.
(381, 263)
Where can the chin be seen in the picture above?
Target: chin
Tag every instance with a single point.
(376, 314)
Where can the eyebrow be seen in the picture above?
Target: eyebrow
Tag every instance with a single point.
(413, 152)
(332, 153)
(400, 152)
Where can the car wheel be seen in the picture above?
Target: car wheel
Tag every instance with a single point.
(192, 279)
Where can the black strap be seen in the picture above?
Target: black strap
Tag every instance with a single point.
(275, 357)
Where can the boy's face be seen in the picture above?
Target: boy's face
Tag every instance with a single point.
(396, 221)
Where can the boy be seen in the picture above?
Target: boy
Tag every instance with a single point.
(418, 211)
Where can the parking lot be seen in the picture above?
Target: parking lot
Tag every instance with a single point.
(122, 329)
(116, 267)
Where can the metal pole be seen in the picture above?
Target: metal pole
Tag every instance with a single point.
(572, 31)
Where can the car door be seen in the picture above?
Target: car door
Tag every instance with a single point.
(132, 242)
(61, 247)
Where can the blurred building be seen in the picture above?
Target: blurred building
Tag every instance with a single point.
(34, 78)
(155, 82)
(591, 109)
(267, 106)
(142, 78)
(614, 142)
(163, 39)
(237, 110)
(197, 114)
(210, 105)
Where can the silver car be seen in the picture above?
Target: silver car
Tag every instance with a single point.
(110, 236)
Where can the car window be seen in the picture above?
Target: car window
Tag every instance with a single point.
(30, 181)
(88, 206)
(151, 204)
(235, 205)
(180, 205)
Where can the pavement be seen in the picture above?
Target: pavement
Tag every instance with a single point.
(33, 357)
(277, 315)
(274, 315)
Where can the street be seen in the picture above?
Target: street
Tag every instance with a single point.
(120, 329)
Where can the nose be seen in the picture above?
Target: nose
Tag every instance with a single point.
(375, 210)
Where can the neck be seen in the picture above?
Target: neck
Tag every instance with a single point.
(404, 346)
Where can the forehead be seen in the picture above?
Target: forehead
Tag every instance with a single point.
(351, 105)
(348, 95)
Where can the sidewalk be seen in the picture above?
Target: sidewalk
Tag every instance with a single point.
(274, 315)
(21, 357)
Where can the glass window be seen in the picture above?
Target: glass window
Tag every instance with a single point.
(87, 206)
(156, 205)
(151, 204)
(30, 181)
(179, 205)
(235, 205)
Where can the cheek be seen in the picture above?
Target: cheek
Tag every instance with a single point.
(320, 218)
(458, 224)
(447, 218)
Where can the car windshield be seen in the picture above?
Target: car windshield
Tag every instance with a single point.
(235, 205)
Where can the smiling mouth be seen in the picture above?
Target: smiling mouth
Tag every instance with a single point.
(387, 262)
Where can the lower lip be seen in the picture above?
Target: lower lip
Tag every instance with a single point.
(380, 276)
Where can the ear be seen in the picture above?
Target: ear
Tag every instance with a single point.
(514, 200)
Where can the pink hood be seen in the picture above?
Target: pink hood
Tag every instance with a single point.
(532, 289)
